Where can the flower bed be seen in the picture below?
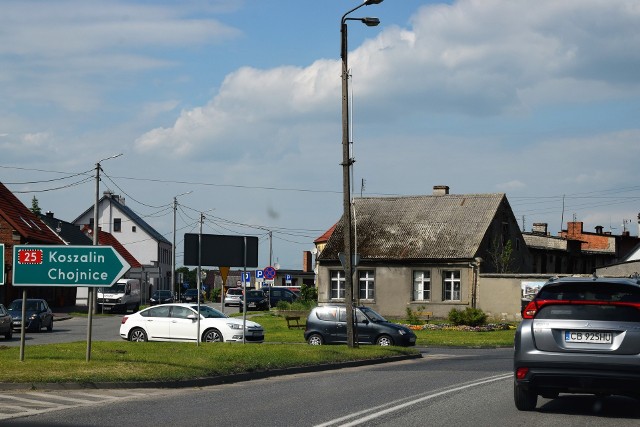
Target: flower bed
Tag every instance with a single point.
(447, 326)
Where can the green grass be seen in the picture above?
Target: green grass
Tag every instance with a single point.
(160, 361)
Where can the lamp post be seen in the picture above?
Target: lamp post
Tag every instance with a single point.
(173, 248)
(347, 161)
(91, 303)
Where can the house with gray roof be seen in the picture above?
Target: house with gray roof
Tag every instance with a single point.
(146, 244)
(423, 252)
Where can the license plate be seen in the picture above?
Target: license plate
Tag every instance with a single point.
(588, 337)
(252, 304)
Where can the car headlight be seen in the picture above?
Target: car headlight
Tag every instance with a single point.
(402, 331)
(234, 325)
(119, 300)
(33, 316)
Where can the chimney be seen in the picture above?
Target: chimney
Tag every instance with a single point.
(49, 214)
(599, 229)
(440, 190)
(574, 229)
(540, 228)
(307, 261)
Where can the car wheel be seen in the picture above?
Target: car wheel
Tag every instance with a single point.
(138, 335)
(384, 340)
(315, 339)
(525, 400)
(50, 326)
(9, 334)
(212, 335)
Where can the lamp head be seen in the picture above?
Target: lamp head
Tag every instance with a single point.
(368, 2)
(371, 22)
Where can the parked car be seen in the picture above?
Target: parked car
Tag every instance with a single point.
(190, 295)
(161, 297)
(328, 324)
(256, 300)
(38, 315)
(233, 297)
(280, 293)
(578, 335)
(179, 322)
(6, 323)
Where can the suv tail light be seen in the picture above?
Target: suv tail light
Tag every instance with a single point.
(534, 306)
(124, 319)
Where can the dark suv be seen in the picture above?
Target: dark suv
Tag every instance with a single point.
(579, 335)
(328, 324)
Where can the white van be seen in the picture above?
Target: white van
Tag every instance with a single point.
(122, 296)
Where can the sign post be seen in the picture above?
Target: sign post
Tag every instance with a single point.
(1, 264)
(65, 266)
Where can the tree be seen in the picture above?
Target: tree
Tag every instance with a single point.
(501, 254)
(35, 207)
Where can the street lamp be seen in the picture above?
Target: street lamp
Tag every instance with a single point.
(347, 161)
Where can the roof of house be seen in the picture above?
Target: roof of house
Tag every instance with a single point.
(447, 226)
(107, 239)
(132, 216)
(21, 219)
(71, 234)
(325, 236)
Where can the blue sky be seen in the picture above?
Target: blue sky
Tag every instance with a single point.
(239, 102)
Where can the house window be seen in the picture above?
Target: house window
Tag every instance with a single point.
(337, 284)
(451, 286)
(117, 225)
(422, 285)
(133, 229)
(366, 284)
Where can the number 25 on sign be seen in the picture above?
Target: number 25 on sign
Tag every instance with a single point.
(30, 256)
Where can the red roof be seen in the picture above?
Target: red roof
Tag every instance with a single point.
(325, 237)
(25, 222)
(107, 239)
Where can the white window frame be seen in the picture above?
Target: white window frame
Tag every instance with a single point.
(366, 284)
(451, 285)
(422, 285)
(337, 288)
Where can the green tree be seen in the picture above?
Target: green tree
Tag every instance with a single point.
(35, 207)
(501, 254)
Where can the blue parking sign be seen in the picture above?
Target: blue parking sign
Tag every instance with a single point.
(259, 274)
(246, 277)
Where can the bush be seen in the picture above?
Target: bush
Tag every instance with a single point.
(309, 293)
(469, 317)
(413, 318)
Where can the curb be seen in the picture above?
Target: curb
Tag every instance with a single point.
(203, 382)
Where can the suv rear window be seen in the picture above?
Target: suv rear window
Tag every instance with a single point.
(590, 301)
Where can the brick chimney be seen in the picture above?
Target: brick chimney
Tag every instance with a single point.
(574, 229)
(307, 261)
(440, 190)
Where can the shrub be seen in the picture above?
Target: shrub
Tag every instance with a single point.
(309, 293)
(469, 316)
(413, 318)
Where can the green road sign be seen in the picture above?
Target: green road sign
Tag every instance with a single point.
(1, 264)
(70, 266)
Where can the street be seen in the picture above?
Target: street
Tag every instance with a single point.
(461, 387)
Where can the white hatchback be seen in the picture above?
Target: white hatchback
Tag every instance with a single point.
(179, 322)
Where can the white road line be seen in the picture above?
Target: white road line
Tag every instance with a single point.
(397, 406)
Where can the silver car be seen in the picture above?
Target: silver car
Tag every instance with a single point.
(579, 335)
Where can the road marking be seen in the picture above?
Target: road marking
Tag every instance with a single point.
(403, 403)
(25, 403)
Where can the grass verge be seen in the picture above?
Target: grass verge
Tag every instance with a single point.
(160, 361)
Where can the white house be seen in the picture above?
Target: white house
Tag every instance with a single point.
(148, 246)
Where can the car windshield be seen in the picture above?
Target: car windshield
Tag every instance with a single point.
(209, 312)
(118, 288)
(191, 292)
(17, 305)
(161, 293)
(255, 294)
(372, 315)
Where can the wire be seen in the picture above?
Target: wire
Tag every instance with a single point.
(56, 188)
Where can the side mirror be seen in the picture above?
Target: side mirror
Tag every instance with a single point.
(192, 317)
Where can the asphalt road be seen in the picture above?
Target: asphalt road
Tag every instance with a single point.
(448, 387)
